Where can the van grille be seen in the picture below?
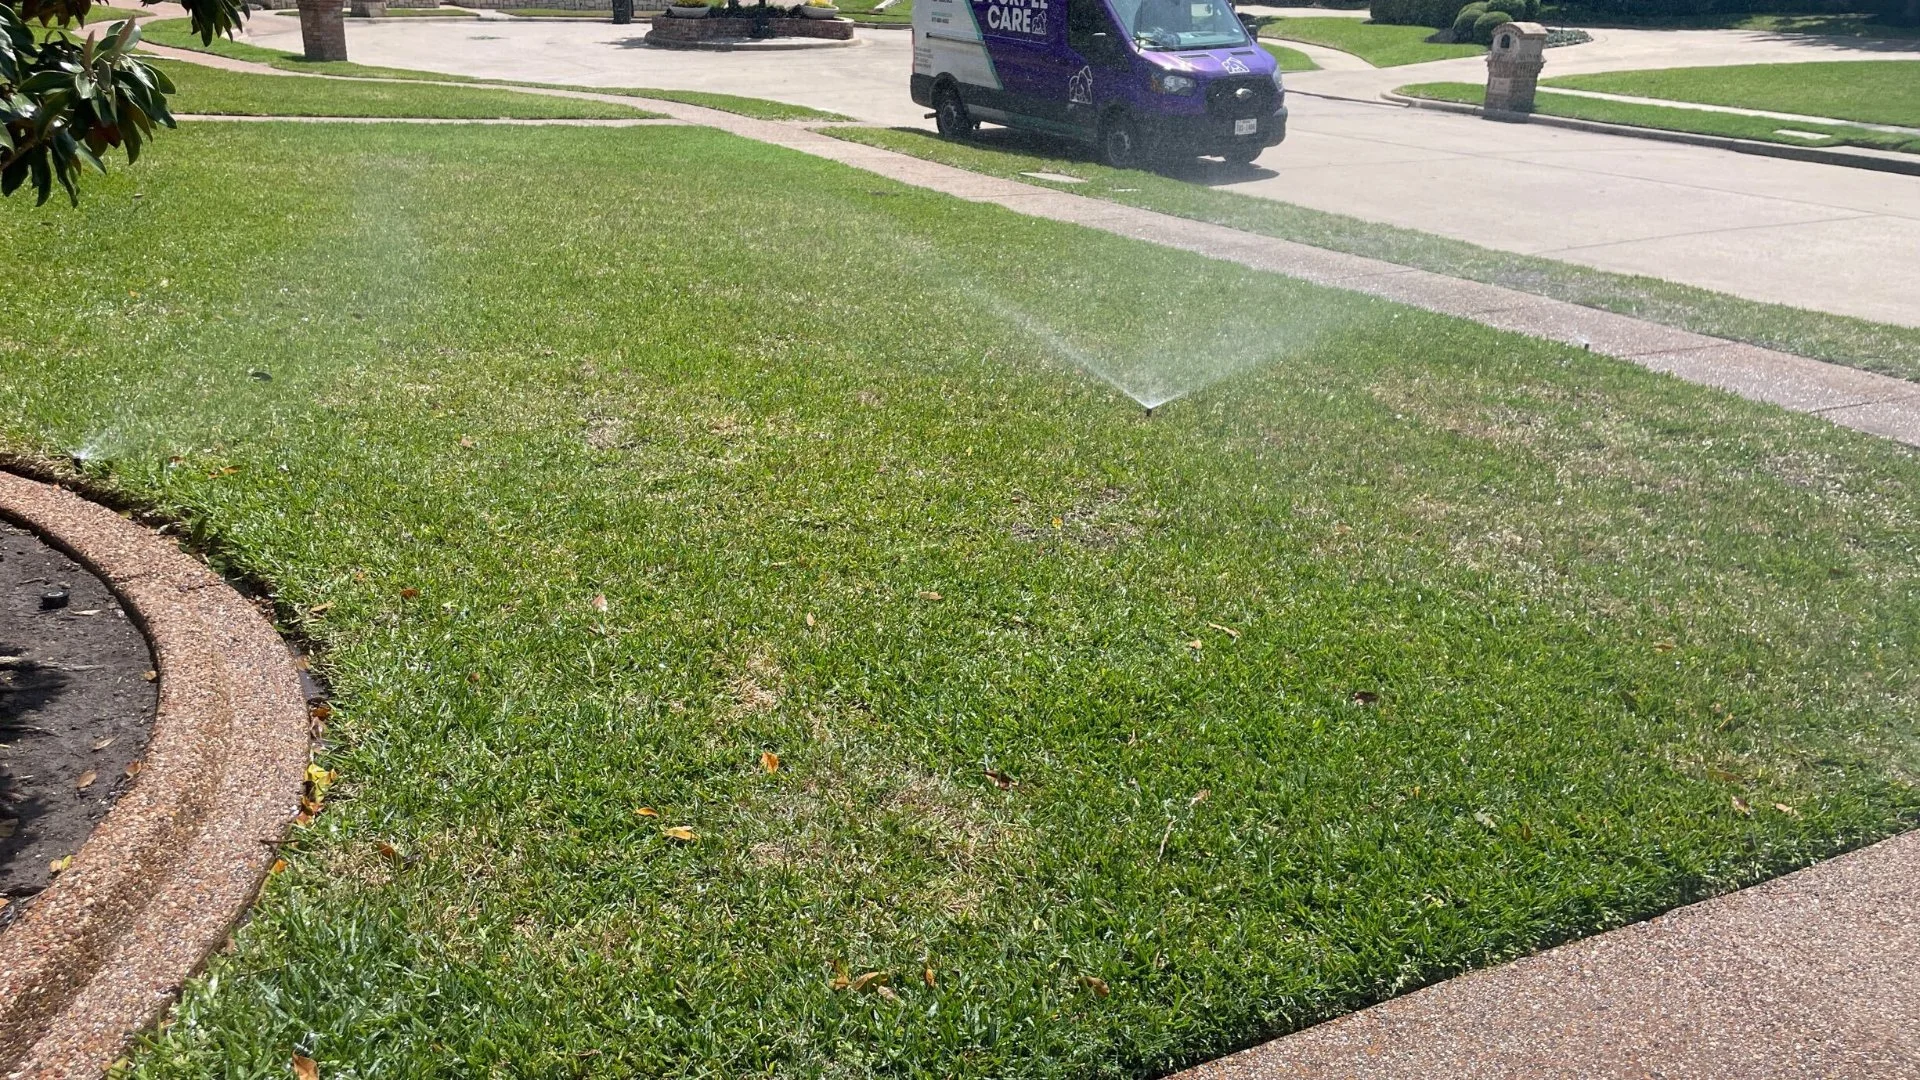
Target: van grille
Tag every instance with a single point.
(1224, 103)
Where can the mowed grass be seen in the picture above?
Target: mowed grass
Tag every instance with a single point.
(1377, 43)
(1185, 190)
(1409, 647)
(1670, 118)
(1868, 91)
(213, 91)
(1290, 59)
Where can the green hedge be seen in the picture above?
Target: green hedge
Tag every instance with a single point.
(1435, 13)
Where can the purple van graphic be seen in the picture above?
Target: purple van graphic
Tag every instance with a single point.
(1140, 79)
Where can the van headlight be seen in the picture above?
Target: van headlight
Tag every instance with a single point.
(1277, 87)
(1173, 84)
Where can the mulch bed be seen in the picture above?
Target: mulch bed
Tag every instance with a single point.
(77, 700)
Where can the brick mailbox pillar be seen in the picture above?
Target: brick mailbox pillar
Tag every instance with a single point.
(323, 29)
(1513, 69)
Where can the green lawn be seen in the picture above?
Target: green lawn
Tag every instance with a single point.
(1679, 119)
(1400, 646)
(1376, 43)
(1894, 350)
(210, 90)
(759, 108)
(429, 13)
(1869, 91)
(1290, 59)
(862, 10)
(1835, 24)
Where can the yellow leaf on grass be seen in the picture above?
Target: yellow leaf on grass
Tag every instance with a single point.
(645, 811)
(305, 1068)
(770, 761)
(600, 602)
(1196, 644)
(1664, 646)
(927, 976)
(809, 620)
(86, 780)
(679, 832)
(277, 867)
(929, 594)
(320, 609)
(871, 978)
(841, 980)
(1785, 809)
(1097, 985)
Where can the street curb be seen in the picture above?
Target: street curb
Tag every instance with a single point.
(1720, 142)
(158, 886)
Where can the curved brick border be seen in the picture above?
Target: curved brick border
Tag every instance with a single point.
(160, 882)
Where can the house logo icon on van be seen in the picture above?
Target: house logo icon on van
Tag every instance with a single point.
(1233, 66)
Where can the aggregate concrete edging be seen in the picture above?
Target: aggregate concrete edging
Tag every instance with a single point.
(1844, 158)
(159, 884)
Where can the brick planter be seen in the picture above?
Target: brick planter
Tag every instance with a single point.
(690, 33)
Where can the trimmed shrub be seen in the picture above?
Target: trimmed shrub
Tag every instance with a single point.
(1435, 13)
(1483, 27)
(1463, 22)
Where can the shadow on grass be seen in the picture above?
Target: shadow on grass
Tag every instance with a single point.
(1050, 150)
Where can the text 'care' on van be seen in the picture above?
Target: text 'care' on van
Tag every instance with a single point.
(1141, 79)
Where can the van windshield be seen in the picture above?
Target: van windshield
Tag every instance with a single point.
(1181, 24)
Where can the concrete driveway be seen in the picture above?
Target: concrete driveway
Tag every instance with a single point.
(1825, 237)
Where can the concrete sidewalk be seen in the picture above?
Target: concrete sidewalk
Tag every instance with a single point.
(1809, 975)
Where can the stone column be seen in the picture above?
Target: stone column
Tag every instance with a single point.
(1513, 69)
(323, 29)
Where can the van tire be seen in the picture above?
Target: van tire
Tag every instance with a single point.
(950, 114)
(1120, 144)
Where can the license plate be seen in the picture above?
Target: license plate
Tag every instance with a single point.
(1246, 127)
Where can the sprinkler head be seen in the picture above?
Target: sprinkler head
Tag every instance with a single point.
(52, 599)
(1149, 410)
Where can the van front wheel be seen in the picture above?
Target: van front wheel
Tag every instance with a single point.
(950, 114)
(1120, 142)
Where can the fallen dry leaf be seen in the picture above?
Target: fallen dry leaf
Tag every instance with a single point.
(149, 675)
(1785, 809)
(7, 827)
(102, 744)
(840, 978)
(871, 978)
(409, 593)
(1227, 630)
(886, 992)
(1486, 819)
(89, 611)
(679, 832)
(60, 864)
(770, 761)
(278, 866)
(645, 811)
(929, 594)
(1199, 796)
(388, 851)
(809, 620)
(600, 602)
(133, 769)
(1097, 985)
(1000, 780)
(466, 442)
(1664, 646)
(1196, 644)
(320, 609)
(926, 976)
(1740, 806)
(305, 1068)
(4, 901)
(86, 780)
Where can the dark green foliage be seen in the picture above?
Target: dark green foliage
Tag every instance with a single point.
(63, 102)
(1463, 22)
(1484, 26)
(1438, 14)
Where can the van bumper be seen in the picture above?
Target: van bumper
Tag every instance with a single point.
(1184, 136)
(921, 87)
